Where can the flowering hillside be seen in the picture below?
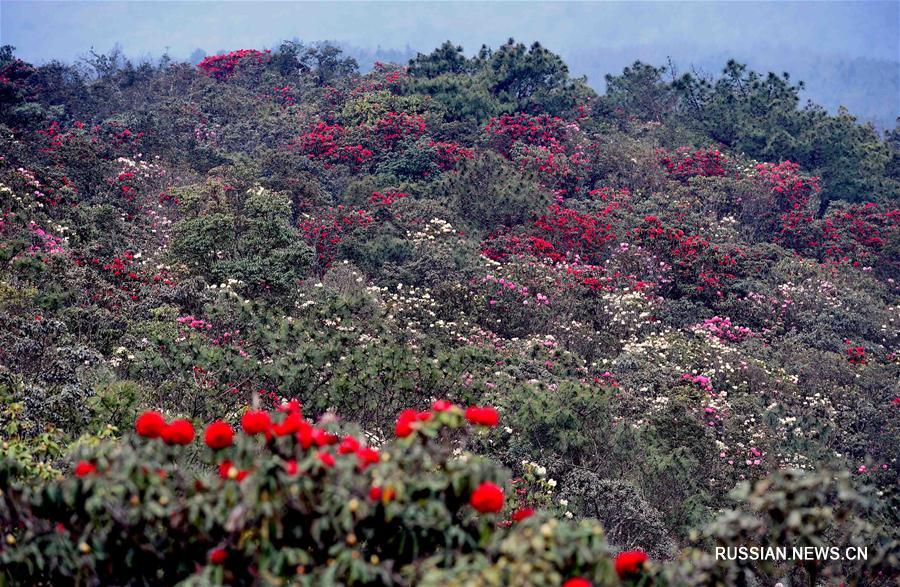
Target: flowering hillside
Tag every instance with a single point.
(461, 321)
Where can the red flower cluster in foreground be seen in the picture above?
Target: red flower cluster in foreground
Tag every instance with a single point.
(629, 563)
(406, 422)
(178, 432)
(219, 435)
(482, 416)
(84, 468)
(254, 422)
(283, 452)
(153, 425)
(218, 556)
(150, 424)
(487, 499)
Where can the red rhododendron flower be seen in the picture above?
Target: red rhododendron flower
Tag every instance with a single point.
(225, 470)
(348, 445)
(385, 495)
(218, 556)
(629, 563)
(577, 582)
(684, 164)
(291, 407)
(326, 458)
(256, 422)
(323, 438)
(405, 420)
(84, 468)
(219, 435)
(291, 467)
(221, 67)
(367, 456)
(150, 424)
(482, 416)
(305, 434)
(291, 425)
(441, 405)
(522, 514)
(488, 498)
(178, 432)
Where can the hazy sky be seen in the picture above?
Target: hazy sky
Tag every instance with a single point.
(64, 30)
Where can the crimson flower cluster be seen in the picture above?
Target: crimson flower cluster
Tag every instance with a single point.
(561, 174)
(449, 155)
(326, 230)
(542, 130)
(284, 95)
(108, 140)
(694, 258)
(123, 271)
(572, 233)
(396, 126)
(326, 143)
(564, 234)
(487, 498)
(384, 76)
(793, 189)
(152, 425)
(386, 198)
(407, 421)
(856, 234)
(13, 76)
(684, 163)
(222, 66)
(856, 355)
(630, 563)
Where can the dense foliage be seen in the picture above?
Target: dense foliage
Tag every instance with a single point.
(679, 300)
